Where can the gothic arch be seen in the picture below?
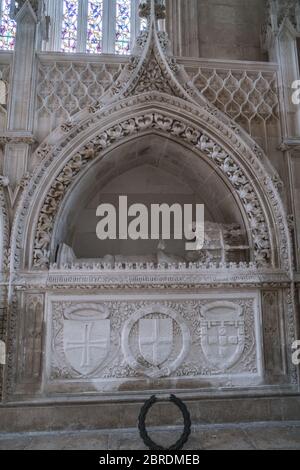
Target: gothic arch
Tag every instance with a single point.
(201, 131)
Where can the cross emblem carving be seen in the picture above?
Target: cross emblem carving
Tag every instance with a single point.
(156, 340)
(87, 345)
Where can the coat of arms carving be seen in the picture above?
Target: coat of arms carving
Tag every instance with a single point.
(86, 344)
(222, 334)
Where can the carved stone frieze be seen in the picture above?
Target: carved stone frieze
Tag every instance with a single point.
(10, 139)
(118, 339)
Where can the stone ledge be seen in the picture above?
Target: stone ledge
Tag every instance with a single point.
(249, 436)
(114, 415)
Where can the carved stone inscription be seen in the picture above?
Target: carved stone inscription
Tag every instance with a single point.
(113, 339)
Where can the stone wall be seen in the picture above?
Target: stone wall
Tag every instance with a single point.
(217, 29)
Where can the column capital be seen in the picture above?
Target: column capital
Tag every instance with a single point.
(19, 8)
(152, 7)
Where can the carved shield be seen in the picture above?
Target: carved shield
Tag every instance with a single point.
(156, 340)
(223, 336)
(86, 344)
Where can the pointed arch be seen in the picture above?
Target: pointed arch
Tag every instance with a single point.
(174, 119)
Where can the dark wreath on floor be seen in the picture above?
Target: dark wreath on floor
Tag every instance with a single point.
(143, 430)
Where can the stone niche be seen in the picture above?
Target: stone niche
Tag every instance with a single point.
(127, 343)
(150, 170)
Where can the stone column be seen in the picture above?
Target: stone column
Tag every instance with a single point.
(19, 135)
(279, 39)
(182, 26)
(54, 11)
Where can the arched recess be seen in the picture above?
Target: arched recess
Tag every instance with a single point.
(71, 149)
(150, 169)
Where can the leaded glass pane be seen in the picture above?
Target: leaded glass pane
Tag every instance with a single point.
(7, 28)
(95, 26)
(69, 26)
(123, 26)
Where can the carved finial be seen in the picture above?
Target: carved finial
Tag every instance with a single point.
(16, 5)
(153, 8)
(39, 9)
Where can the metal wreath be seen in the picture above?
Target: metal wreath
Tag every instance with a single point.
(187, 424)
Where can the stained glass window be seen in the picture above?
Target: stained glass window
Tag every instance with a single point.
(95, 26)
(7, 27)
(123, 26)
(69, 26)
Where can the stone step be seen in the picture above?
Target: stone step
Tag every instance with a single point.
(88, 415)
(249, 436)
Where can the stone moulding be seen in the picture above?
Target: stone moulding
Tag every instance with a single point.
(157, 277)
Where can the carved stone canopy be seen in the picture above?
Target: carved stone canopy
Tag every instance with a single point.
(153, 94)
